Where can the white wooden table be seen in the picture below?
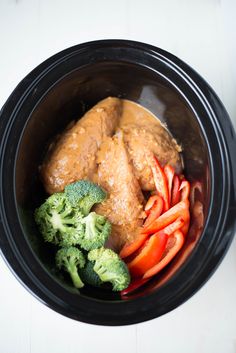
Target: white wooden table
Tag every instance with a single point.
(203, 34)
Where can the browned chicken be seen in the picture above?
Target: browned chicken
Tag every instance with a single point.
(90, 150)
(73, 156)
(143, 134)
(123, 207)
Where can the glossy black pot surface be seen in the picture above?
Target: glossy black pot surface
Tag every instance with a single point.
(61, 89)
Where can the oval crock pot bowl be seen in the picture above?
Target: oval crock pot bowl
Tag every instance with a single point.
(61, 89)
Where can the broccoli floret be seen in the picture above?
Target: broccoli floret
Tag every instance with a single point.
(88, 275)
(96, 231)
(58, 222)
(110, 268)
(84, 194)
(70, 260)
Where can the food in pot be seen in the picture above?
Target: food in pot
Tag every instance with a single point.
(124, 205)
(65, 219)
(72, 156)
(143, 134)
(117, 188)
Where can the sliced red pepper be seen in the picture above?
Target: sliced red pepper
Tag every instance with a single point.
(169, 172)
(186, 216)
(175, 195)
(160, 181)
(177, 224)
(149, 255)
(179, 210)
(198, 215)
(190, 243)
(155, 211)
(185, 190)
(195, 186)
(179, 241)
(172, 227)
(150, 202)
(185, 228)
(135, 284)
(129, 249)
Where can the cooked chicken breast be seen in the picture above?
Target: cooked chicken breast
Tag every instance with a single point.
(124, 207)
(73, 155)
(90, 150)
(143, 134)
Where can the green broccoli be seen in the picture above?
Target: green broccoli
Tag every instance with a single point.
(96, 231)
(110, 268)
(71, 259)
(88, 275)
(84, 194)
(59, 223)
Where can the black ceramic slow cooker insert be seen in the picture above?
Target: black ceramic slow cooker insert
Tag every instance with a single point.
(61, 89)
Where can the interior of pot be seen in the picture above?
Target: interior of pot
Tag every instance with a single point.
(67, 100)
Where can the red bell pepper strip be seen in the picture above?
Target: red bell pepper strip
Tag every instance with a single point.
(169, 172)
(175, 195)
(198, 214)
(186, 216)
(181, 209)
(177, 224)
(135, 284)
(129, 249)
(155, 211)
(190, 243)
(179, 241)
(149, 255)
(185, 190)
(185, 227)
(150, 203)
(160, 181)
(196, 185)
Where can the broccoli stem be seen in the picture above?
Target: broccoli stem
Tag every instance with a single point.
(72, 269)
(87, 205)
(56, 220)
(65, 213)
(68, 221)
